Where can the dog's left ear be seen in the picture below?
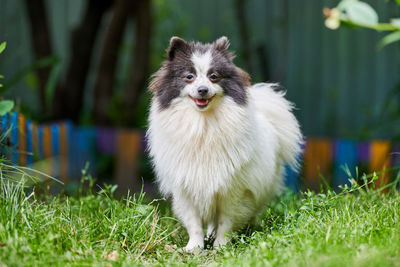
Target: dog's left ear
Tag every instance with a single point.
(221, 43)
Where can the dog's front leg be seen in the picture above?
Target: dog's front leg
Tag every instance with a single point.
(224, 227)
(190, 218)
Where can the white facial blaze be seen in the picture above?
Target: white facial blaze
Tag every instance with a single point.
(202, 64)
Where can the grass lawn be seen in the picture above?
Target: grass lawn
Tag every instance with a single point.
(357, 227)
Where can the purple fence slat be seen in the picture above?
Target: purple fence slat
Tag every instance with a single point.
(395, 155)
(363, 151)
(106, 140)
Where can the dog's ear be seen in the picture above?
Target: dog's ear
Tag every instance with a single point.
(244, 77)
(176, 44)
(221, 43)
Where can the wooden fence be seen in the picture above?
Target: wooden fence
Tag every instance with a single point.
(62, 149)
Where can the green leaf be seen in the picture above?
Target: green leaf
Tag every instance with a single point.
(395, 22)
(398, 2)
(2, 46)
(6, 106)
(344, 3)
(384, 27)
(361, 13)
(52, 83)
(388, 39)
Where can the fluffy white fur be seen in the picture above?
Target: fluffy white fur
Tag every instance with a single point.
(222, 165)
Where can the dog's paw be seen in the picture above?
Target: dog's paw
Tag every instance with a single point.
(220, 242)
(191, 250)
(193, 246)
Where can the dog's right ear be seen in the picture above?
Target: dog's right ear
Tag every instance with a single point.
(176, 44)
(244, 76)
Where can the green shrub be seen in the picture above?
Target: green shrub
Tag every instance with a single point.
(5, 105)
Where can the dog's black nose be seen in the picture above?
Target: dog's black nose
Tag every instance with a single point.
(202, 90)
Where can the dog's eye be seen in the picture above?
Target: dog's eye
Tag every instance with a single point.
(189, 77)
(213, 77)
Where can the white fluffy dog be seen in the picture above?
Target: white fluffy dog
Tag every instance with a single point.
(219, 145)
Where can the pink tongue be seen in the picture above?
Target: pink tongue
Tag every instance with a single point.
(201, 102)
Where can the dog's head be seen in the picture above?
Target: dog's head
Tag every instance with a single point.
(202, 73)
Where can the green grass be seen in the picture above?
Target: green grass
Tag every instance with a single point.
(357, 227)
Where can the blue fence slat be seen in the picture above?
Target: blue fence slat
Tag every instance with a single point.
(55, 149)
(4, 128)
(4, 123)
(85, 147)
(70, 146)
(345, 155)
(292, 179)
(14, 138)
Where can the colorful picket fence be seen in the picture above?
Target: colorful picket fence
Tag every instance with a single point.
(63, 149)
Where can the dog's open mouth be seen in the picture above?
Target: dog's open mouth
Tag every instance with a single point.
(202, 102)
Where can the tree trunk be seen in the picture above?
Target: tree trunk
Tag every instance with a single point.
(68, 100)
(41, 40)
(262, 56)
(140, 65)
(104, 85)
(240, 7)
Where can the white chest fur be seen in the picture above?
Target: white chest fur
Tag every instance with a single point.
(199, 151)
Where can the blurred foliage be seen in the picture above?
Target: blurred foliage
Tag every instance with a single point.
(5, 105)
(2, 48)
(360, 14)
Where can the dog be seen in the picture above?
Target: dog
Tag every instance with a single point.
(218, 144)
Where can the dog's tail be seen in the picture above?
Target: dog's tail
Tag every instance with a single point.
(270, 100)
